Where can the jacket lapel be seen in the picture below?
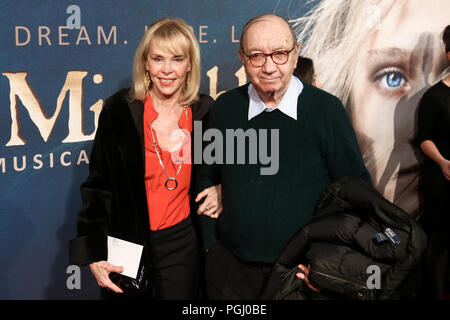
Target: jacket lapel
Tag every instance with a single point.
(137, 113)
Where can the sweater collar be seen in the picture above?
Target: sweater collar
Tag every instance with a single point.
(288, 104)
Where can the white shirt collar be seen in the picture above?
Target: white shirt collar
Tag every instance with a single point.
(288, 104)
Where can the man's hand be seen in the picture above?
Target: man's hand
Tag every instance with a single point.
(304, 276)
(101, 271)
(212, 206)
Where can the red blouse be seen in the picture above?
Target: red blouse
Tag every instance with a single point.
(166, 207)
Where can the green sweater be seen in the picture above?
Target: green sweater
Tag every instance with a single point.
(261, 212)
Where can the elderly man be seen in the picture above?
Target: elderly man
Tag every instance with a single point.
(316, 146)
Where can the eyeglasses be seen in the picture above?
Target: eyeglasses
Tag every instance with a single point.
(278, 57)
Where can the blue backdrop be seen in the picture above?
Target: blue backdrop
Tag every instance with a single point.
(45, 141)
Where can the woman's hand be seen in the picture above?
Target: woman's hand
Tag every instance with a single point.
(212, 206)
(431, 151)
(445, 167)
(101, 271)
(304, 276)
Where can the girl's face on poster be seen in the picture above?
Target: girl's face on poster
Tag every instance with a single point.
(399, 60)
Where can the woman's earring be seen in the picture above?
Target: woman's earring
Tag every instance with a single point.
(188, 79)
(147, 81)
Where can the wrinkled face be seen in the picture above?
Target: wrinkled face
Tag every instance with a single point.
(267, 36)
(167, 71)
(397, 63)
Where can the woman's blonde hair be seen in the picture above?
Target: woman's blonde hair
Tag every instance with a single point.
(175, 36)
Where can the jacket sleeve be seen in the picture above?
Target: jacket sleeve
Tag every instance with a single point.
(209, 176)
(93, 219)
(206, 172)
(426, 118)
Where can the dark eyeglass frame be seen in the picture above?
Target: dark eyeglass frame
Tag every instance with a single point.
(249, 57)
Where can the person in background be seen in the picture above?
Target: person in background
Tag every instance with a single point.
(434, 140)
(141, 171)
(305, 71)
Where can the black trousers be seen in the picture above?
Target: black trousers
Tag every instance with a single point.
(437, 263)
(227, 277)
(176, 267)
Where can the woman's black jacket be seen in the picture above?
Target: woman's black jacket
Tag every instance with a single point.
(114, 196)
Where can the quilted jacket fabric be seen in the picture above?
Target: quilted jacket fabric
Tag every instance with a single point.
(355, 236)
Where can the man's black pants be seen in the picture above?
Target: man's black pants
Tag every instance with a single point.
(231, 278)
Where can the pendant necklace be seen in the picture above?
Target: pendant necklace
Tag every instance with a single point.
(169, 179)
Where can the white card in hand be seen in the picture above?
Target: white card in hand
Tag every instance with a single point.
(125, 254)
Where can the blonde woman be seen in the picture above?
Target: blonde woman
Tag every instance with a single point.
(378, 57)
(141, 172)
